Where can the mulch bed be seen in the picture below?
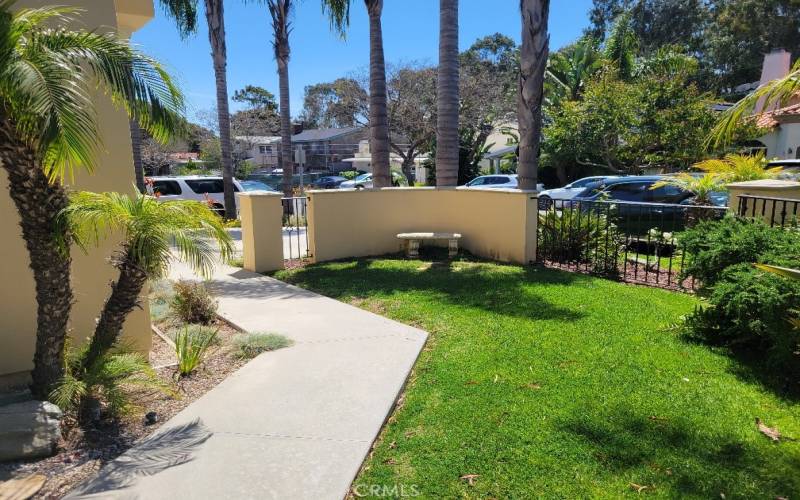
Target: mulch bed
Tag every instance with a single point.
(633, 272)
(85, 449)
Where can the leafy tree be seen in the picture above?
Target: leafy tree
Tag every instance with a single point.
(341, 103)
(412, 111)
(149, 228)
(256, 98)
(48, 129)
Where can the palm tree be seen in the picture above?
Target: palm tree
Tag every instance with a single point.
(48, 76)
(149, 227)
(447, 137)
(776, 92)
(136, 149)
(739, 168)
(215, 17)
(569, 69)
(280, 10)
(338, 11)
(702, 187)
(621, 46)
(533, 62)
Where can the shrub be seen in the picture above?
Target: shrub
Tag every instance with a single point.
(191, 346)
(250, 345)
(111, 379)
(160, 298)
(716, 245)
(349, 174)
(192, 303)
(572, 235)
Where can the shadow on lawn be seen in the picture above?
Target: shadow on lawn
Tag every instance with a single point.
(674, 458)
(475, 286)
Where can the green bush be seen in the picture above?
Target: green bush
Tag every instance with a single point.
(192, 303)
(349, 174)
(250, 345)
(715, 245)
(572, 235)
(191, 346)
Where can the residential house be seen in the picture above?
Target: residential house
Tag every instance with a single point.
(262, 151)
(324, 149)
(783, 122)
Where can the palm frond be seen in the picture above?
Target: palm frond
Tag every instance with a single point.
(184, 13)
(338, 12)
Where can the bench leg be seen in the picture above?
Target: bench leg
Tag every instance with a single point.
(412, 251)
(452, 248)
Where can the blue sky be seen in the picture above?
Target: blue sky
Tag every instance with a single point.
(410, 29)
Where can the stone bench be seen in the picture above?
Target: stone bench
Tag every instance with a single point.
(414, 240)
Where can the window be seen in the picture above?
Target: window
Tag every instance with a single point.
(203, 186)
(265, 150)
(166, 188)
(628, 192)
(477, 182)
(667, 194)
(581, 183)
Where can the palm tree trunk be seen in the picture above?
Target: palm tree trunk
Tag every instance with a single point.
(216, 36)
(136, 147)
(124, 297)
(447, 96)
(38, 202)
(378, 115)
(280, 26)
(533, 62)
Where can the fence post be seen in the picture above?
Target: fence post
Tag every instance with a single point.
(531, 225)
(261, 213)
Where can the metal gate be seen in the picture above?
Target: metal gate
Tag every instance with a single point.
(295, 230)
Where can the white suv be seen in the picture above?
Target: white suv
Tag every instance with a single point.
(200, 188)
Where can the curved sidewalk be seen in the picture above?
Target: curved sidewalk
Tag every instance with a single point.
(293, 423)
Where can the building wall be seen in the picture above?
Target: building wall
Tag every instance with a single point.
(495, 224)
(783, 142)
(91, 273)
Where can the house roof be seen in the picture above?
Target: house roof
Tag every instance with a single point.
(499, 153)
(323, 134)
(772, 119)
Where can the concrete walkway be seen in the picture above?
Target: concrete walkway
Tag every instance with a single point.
(291, 424)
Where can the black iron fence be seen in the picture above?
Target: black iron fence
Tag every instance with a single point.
(295, 233)
(632, 242)
(781, 212)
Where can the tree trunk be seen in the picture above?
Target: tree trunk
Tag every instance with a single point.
(282, 51)
(136, 148)
(533, 62)
(124, 297)
(216, 36)
(378, 116)
(447, 96)
(38, 202)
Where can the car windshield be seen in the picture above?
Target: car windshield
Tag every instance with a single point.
(254, 186)
(592, 189)
(364, 177)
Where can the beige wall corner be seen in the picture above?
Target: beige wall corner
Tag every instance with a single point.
(261, 213)
(767, 188)
(92, 273)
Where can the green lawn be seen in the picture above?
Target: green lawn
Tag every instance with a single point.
(551, 384)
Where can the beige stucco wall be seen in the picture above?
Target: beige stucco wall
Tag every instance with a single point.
(495, 224)
(768, 189)
(91, 273)
(261, 213)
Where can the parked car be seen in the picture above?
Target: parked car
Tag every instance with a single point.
(327, 182)
(643, 207)
(364, 181)
(200, 188)
(569, 191)
(497, 181)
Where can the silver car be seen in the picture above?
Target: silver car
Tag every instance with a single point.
(569, 191)
(497, 181)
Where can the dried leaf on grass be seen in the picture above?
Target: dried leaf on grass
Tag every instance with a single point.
(770, 432)
(470, 478)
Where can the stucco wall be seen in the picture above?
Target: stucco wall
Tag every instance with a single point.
(767, 189)
(783, 141)
(91, 274)
(495, 224)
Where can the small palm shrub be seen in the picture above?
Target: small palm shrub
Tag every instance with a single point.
(739, 168)
(112, 379)
(191, 347)
(192, 303)
(250, 345)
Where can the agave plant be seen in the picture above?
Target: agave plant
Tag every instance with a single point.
(149, 229)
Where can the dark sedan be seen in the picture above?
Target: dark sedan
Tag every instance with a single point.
(328, 182)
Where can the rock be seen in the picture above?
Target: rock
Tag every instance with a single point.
(150, 418)
(29, 429)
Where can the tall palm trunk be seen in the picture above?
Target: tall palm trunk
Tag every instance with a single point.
(38, 202)
(124, 297)
(215, 17)
(136, 148)
(533, 62)
(280, 25)
(447, 96)
(378, 115)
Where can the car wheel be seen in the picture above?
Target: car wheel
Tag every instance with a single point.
(545, 202)
(359, 187)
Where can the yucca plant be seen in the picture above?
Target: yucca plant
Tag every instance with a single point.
(739, 168)
(49, 77)
(149, 230)
(191, 346)
(111, 378)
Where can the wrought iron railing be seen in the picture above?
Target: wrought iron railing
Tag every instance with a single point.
(781, 212)
(295, 230)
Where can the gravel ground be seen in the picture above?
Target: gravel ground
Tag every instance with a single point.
(84, 450)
